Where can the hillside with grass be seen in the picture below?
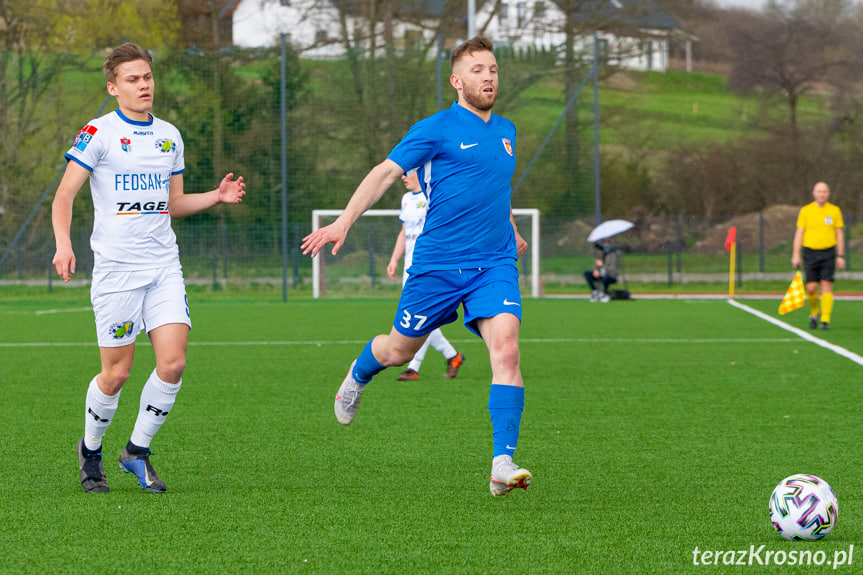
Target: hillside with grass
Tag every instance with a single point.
(668, 142)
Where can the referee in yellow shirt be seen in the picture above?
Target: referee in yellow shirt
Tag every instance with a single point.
(820, 233)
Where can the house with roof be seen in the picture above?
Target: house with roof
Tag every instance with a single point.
(326, 29)
(633, 34)
(312, 27)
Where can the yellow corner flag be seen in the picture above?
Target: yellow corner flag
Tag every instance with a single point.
(795, 297)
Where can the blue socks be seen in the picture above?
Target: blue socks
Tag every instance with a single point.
(505, 404)
(367, 366)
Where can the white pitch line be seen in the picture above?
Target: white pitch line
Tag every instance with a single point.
(476, 340)
(49, 344)
(659, 340)
(799, 332)
(62, 310)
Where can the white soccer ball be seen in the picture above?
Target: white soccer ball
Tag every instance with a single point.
(803, 507)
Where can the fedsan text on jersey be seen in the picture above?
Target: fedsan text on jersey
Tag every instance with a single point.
(139, 182)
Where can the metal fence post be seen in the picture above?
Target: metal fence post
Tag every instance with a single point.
(371, 245)
(283, 112)
(670, 267)
(214, 260)
(224, 228)
(295, 254)
(438, 68)
(739, 264)
(761, 242)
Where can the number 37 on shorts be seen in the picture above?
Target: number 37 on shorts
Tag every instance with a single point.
(409, 321)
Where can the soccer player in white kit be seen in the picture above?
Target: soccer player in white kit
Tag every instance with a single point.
(413, 217)
(135, 165)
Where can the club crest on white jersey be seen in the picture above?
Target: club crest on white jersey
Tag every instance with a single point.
(131, 164)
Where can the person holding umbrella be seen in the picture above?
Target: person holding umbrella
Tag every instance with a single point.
(606, 262)
(604, 270)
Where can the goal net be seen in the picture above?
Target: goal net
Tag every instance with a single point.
(360, 267)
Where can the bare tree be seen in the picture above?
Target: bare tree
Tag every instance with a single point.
(388, 48)
(786, 52)
(624, 21)
(39, 42)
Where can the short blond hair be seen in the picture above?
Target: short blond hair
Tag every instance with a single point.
(475, 44)
(128, 52)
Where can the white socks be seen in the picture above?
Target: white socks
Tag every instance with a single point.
(157, 400)
(419, 356)
(442, 344)
(100, 409)
(437, 340)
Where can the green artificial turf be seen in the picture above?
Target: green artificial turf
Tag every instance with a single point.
(651, 427)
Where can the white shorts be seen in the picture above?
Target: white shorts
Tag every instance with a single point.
(125, 303)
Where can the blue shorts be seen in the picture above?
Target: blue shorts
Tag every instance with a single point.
(431, 299)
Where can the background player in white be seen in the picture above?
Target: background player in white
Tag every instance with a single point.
(135, 165)
(413, 216)
(466, 255)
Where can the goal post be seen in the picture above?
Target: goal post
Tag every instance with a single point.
(526, 215)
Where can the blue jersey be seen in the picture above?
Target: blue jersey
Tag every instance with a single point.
(466, 167)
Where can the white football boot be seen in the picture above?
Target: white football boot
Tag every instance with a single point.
(506, 475)
(348, 398)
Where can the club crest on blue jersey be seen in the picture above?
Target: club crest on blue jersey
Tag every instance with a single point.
(507, 145)
(126, 143)
(84, 136)
(165, 145)
(121, 330)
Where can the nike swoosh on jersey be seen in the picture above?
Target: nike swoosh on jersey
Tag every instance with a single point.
(463, 147)
(507, 302)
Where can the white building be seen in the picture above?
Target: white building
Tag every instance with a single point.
(633, 34)
(311, 26)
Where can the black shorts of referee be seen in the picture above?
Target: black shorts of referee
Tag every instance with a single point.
(819, 264)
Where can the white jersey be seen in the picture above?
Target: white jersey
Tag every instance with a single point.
(130, 165)
(413, 216)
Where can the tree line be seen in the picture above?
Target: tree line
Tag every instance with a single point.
(344, 116)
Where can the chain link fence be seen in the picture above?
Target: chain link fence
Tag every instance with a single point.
(232, 107)
(659, 250)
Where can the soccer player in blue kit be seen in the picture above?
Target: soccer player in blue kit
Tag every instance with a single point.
(466, 254)
(413, 217)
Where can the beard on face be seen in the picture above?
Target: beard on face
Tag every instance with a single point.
(479, 99)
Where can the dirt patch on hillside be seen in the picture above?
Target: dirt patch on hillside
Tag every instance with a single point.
(780, 221)
(621, 81)
(659, 234)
